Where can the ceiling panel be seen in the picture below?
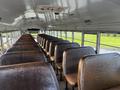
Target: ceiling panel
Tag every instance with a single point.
(11, 9)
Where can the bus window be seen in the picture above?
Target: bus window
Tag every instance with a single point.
(110, 43)
(90, 40)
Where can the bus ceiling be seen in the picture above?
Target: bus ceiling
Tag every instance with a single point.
(64, 15)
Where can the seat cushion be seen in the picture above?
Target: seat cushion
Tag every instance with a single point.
(115, 88)
(71, 79)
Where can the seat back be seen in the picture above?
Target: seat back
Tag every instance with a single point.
(99, 72)
(23, 48)
(72, 56)
(17, 58)
(25, 43)
(45, 39)
(26, 38)
(30, 76)
(48, 43)
(114, 88)
(52, 46)
(39, 38)
(21, 52)
(60, 48)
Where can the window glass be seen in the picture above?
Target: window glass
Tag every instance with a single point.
(90, 40)
(110, 43)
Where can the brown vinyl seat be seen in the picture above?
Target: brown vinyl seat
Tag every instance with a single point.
(114, 88)
(16, 58)
(70, 62)
(40, 38)
(99, 72)
(24, 48)
(59, 49)
(41, 42)
(21, 49)
(48, 44)
(25, 43)
(52, 47)
(43, 39)
(45, 44)
(26, 35)
(71, 79)
(28, 76)
(25, 39)
(21, 52)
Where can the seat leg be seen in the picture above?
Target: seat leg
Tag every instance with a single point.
(57, 72)
(53, 64)
(60, 75)
(66, 85)
(72, 87)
